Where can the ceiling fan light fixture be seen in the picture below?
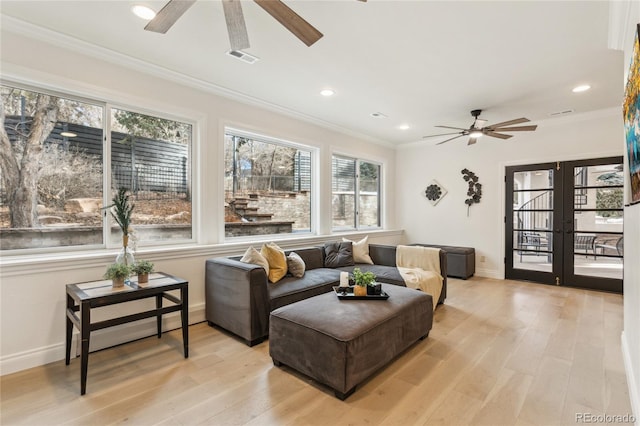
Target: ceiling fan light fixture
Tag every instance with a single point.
(475, 134)
(143, 12)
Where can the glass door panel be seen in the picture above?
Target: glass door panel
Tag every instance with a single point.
(597, 221)
(530, 210)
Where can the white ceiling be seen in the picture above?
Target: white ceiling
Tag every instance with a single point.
(422, 63)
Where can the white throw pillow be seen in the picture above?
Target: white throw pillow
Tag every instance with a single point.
(360, 250)
(255, 257)
(295, 265)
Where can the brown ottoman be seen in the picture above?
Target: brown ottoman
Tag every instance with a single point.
(340, 343)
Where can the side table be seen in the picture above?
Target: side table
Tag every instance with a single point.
(82, 297)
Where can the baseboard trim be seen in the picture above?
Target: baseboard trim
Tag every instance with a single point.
(101, 339)
(634, 392)
(488, 273)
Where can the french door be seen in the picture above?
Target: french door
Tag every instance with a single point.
(563, 223)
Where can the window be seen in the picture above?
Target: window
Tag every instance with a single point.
(52, 174)
(150, 157)
(267, 185)
(356, 193)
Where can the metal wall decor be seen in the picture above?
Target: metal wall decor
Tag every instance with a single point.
(435, 192)
(475, 188)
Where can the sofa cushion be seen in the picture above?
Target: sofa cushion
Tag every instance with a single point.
(277, 261)
(295, 265)
(360, 250)
(313, 257)
(314, 282)
(338, 254)
(254, 257)
(384, 274)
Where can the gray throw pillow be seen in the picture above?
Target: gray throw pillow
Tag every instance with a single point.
(338, 254)
(295, 265)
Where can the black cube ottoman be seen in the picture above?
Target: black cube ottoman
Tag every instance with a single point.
(340, 343)
(461, 261)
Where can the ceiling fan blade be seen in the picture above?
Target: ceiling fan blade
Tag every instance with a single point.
(516, 129)
(236, 27)
(455, 137)
(168, 15)
(472, 141)
(449, 127)
(497, 135)
(443, 134)
(291, 21)
(507, 123)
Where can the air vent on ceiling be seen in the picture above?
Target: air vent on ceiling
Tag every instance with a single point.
(243, 56)
(559, 113)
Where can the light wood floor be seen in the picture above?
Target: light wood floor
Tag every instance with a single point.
(500, 352)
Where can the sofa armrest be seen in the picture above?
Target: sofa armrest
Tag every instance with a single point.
(236, 298)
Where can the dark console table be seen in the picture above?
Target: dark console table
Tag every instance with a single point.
(83, 297)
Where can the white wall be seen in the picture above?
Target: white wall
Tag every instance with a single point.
(569, 138)
(623, 19)
(32, 289)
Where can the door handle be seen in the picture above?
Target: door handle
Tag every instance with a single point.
(569, 231)
(558, 231)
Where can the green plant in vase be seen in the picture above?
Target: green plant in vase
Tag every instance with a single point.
(117, 273)
(121, 210)
(143, 268)
(362, 280)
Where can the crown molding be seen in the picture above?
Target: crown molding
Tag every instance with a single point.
(620, 19)
(75, 45)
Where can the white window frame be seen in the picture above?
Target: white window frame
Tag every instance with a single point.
(106, 167)
(313, 206)
(357, 226)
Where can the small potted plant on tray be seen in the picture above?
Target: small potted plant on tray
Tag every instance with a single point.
(143, 268)
(117, 273)
(362, 281)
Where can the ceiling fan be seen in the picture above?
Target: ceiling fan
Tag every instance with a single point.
(479, 129)
(234, 18)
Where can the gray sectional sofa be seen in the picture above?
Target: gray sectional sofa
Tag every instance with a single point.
(239, 298)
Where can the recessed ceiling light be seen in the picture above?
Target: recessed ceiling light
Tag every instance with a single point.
(582, 88)
(327, 92)
(404, 127)
(68, 134)
(143, 12)
(378, 115)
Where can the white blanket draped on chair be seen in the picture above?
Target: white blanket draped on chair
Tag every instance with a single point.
(420, 269)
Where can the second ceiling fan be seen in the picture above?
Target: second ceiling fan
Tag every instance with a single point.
(234, 18)
(478, 129)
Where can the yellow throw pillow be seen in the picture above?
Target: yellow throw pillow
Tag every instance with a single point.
(253, 256)
(277, 261)
(360, 250)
